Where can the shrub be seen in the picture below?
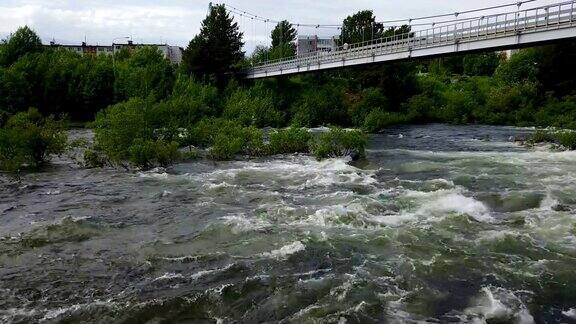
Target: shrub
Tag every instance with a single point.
(458, 107)
(242, 140)
(225, 147)
(339, 142)
(505, 101)
(541, 136)
(146, 73)
(378, 120)
(481, 64)
(192, 101)
(150, 153)
(251, 107)
(567, 139)
(420, 108)
(320, 105)
(290, 140)
(119, 126)
(254, 142)
(93, 159)
(204, 133)
(227, 138)
(559, 113)
(521, 67)
(370, 99)
(142, 132)
(27, 140)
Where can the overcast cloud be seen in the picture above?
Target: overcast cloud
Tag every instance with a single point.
(176, 21)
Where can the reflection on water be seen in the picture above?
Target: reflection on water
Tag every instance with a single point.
(442, 224)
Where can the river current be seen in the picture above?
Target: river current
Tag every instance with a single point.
(440, 224)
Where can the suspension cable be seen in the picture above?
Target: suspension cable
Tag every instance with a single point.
(255, 17)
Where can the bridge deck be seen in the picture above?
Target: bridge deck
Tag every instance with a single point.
(501, 31)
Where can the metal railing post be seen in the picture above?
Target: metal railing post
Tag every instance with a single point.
(571, 13)
(559, 14)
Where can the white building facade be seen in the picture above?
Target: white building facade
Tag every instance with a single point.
(312, 43)
(171, 53)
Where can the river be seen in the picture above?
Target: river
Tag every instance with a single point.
(440, 224)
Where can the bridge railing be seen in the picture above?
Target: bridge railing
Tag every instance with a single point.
(490, 26)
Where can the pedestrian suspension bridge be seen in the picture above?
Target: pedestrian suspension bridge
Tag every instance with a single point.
(498, 31)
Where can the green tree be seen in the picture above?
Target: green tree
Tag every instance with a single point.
(361, 27)
(483, 64)
(28, 139)
(145, 73)
(215, 52)
(556, 66)
(283, 38)
(22, 42)
(521, 67)
(283, 33)
(261, 54)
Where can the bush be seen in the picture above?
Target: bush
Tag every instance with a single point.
(140, 131)
(504, 102)
(225, 147)
(378, 120)
(458, 107)
(254, 142)
(541, 136)
(28, 139)
(227, 138)
(370, 99)
(558, 113)
(521, 67)
(251, 107)
(119, 126)
(93, 159)
(320, 105)
(290, 140)
(149, 153)
(145, 73)
(567, 139)
(339, 143)
(481, 64)
(192, 101)
(204, 133)
(241, 140)
(419, 108)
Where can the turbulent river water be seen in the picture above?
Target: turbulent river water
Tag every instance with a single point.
(440, 224)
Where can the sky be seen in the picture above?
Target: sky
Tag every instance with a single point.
(176, 22)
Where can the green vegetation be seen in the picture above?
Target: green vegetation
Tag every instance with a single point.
(283, 45)
(289, 140)
(147, 112)
(339, 142)
(215, 53)
(565, 138)
(22, 42)
(28, 139)
(283, 37)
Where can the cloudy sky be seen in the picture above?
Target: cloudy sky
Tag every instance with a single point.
(176, 21)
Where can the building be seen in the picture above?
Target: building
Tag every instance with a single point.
(172, 53)
(313, 43)
(86, 49)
